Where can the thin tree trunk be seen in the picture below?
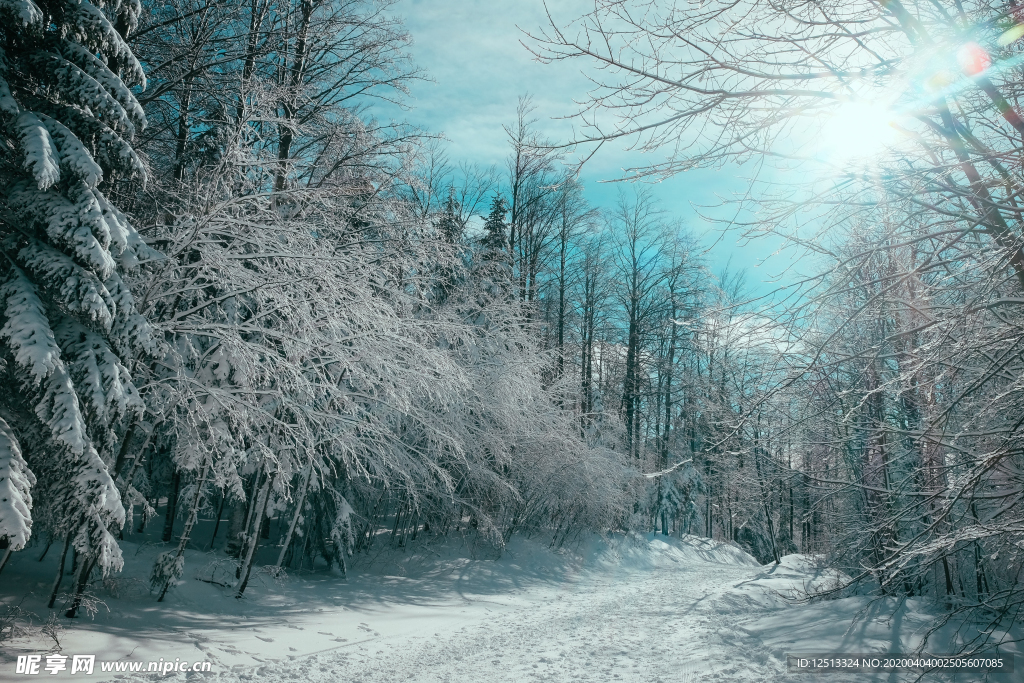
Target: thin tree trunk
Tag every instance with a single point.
(138, 457)
(305, 549)
(562, 278)
(250, 553)
(300, 501)
(296, 76)
(630, 385)
(186, 531)
(49, 542)
(60, 571)
(758, 450)
(183, 130)
(7, 556)
(398, 520)
(365, 537)
(84, 570)
(172, 504)
(220, 513)
(670, 361)
(241, 534)
(416, 526)
(949, 579)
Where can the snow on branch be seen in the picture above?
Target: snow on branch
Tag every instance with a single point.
(78, 289)
(16, 482)
(41, 157)
(670, 470)
(27, 329)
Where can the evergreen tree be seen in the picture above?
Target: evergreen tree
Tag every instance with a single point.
(449, 225)
(492, 269)
(450, 228)
(68, 323)
(495, 240)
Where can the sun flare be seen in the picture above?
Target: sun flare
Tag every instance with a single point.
(857, 131)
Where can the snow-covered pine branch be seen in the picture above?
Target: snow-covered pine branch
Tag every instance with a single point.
(60, 242)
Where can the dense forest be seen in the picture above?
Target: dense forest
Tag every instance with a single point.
(230, 291)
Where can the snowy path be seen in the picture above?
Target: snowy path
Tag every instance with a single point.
(646, 610)
(665, 625)
(679, 619)
(671, 623)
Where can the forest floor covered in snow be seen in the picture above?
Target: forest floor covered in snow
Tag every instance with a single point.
(639, 609)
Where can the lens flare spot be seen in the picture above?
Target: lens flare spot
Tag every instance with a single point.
(973, 59)
(940, 80)
(1011, 36)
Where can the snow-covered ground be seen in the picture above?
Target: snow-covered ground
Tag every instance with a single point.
(643, 609)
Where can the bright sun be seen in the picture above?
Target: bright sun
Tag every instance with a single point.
(856, 132)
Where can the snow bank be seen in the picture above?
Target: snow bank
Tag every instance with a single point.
(794, 578)
(786, 622)
(636, 552)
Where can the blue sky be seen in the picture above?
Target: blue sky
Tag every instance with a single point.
(473, 52)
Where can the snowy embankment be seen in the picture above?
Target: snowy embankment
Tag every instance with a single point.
(642, 609)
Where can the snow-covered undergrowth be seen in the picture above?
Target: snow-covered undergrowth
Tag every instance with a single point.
(610, 608)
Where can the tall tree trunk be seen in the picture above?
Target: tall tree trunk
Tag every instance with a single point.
(765, 492)
(588, 363)
(7, 550)
(181, 137)
(84, 570)
(254, 537)
(629, 390)
(193, 514)
(236, 526)
(257, 13)
(561, 300)
(239, 530)
(216, 524)
(60, 571)
(670, 359)
(299, 502)
(172, 505)
(296, 74)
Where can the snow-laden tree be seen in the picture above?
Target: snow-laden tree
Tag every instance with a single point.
(69, 324)
(16, 482)
(314, 370)
(309, 373)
